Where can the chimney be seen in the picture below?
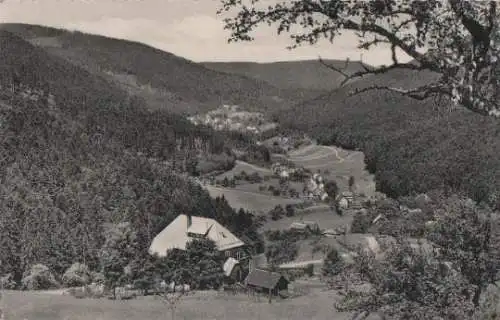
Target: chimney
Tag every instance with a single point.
(189, 220)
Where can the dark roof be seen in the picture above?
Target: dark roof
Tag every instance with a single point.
(263, 279)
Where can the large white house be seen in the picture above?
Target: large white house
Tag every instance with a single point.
(185, 228)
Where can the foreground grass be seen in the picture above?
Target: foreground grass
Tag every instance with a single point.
(314, 303)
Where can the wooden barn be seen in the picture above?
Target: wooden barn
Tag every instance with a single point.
(268, 282)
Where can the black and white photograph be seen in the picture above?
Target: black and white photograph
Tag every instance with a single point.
(250, 159)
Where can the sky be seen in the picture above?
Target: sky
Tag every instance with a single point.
(188, 28)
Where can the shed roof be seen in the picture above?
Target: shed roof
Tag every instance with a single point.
(263, 279)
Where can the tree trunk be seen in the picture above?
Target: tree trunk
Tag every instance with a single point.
(477, 296)
(172, 313)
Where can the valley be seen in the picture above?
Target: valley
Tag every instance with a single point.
(253, 191)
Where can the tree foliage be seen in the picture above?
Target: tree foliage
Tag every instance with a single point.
(117, 252)
(461, 39)
(200, 265)
(332, 189)
(447, 277)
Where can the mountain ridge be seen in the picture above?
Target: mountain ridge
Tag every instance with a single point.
(163, 79)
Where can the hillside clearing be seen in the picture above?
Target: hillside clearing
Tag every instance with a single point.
(252, 201)
(323, 215)
(244, 166)
(336, 164)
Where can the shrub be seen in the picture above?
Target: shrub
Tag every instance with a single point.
(255, 177)
(39, 277)
(8, 282)
(289, 210)
(97, 277)
(277, 213)
(309, 270)
(76, 275)
(360, 223)
(281, 252)
(276, 193)
(333, 264)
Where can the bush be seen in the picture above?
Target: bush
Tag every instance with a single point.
(333, 264)
(276, 193)
(76, 275)
(360, 223)
(98, 277)
(289, 210)
(309, 270)
(277, 213)
(255, 177)
(281, 252)
(39, 277)
(8, 282)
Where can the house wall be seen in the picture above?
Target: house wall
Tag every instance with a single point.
(237, 253)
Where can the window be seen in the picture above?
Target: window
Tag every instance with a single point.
(195, 235)
(222, 234)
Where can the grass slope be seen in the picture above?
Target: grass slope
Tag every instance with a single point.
(166, 81)
(413, 146)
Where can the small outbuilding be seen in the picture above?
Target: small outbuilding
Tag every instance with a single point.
(232, 270)
(268, 282)
(343, 203)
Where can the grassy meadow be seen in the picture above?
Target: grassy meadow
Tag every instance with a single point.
(312, 302)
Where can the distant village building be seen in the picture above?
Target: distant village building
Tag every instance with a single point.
(343, 203)
(316, 188)
(284, 174)
(305, 226)
(185, 228)
(348, 195)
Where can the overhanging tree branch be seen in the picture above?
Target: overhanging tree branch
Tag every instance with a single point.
(462, 39)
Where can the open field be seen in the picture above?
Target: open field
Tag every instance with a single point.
(326, 218)
(339, 164)
(244, 166)
(254, 187)
(257, 202)
(312, 303)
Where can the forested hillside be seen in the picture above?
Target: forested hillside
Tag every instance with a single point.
(294, 75)
(79, 154)
(164, 80)
(413, 146)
